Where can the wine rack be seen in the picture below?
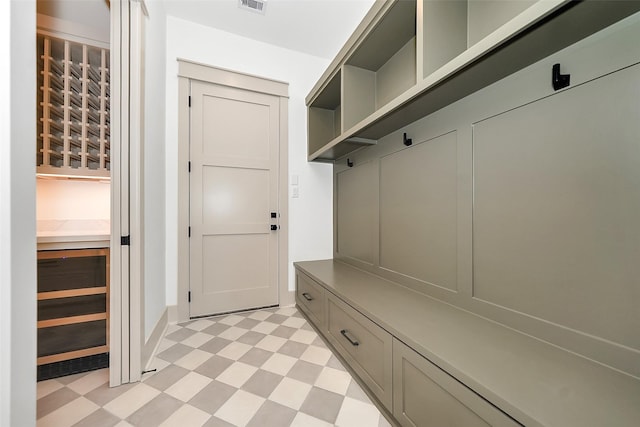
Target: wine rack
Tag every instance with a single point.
(73, 109)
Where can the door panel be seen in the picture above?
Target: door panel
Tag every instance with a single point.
(233, 190)
(233, 196)
(223, 276)
(237, 130)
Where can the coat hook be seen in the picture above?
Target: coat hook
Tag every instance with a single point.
(406, 141)
(349, 162)
(558, 80)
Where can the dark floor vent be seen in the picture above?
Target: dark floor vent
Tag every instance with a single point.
(258, 6)
(73, 366)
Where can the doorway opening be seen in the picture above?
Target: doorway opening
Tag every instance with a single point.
(233, 191)
(73, 199)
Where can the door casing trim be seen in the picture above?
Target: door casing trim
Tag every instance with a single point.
(126, 302)
(188, 71)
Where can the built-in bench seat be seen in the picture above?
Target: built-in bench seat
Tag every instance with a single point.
(430, 363)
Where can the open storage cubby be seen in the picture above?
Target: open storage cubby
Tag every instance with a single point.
(325, 115)
(73, 108)
(383, 66)
(457, 47)
(444, 32)
(486, 16)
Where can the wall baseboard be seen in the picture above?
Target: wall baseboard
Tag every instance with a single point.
(288, 298)
(173, 314)
(150, 347)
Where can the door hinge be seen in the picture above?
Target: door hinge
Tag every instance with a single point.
(189, 296)
(189, 166)
(125, 240)
(189, 231)
(189, 100)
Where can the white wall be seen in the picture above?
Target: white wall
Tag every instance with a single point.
(67, 199)
(311, 214)
(154, 166)
(17, 214)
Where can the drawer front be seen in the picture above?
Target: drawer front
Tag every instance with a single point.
(72, 272)
(426, 396)
(311, 298)
(364, 345)
(77, 336)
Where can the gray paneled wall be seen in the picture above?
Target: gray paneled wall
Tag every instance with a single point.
(418, 221)
(355, 213)
(556, 219)
(518, 203)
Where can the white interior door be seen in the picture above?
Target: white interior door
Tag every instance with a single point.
(234, 151)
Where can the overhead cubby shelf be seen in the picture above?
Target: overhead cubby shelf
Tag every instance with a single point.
(407, 60)
(325, 115)
(382, 67)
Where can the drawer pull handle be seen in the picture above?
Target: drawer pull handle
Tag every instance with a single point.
(307, 296)
(352, 341)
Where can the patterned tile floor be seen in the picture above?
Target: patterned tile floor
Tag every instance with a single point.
(264, 368)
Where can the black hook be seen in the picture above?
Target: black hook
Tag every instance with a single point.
(558, 80)
(349, 162)
(406, 141)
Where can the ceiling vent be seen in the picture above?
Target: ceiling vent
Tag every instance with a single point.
(257, 6)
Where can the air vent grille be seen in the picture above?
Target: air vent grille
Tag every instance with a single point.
(257, 6)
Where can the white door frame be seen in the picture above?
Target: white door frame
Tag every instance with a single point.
(126, 302)
(188, 71)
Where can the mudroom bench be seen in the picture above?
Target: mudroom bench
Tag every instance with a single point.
(427, 363)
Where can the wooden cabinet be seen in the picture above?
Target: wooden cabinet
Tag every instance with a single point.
(410, 58)
(426, 396)
(73, 108)
(73, 304)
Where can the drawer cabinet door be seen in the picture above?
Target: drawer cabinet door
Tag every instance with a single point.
(73, 295)
(426, 396)
(311, 299)
(364, 345)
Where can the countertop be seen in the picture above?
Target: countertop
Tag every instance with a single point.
(73, 234)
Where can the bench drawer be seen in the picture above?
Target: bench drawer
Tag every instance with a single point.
(311, 299)
(426, 396)
(365, 346)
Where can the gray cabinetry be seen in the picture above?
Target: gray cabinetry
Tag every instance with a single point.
(363, 344)
(311, 298)
(410, 58)
(449, 367)
(497, 248)
(426, 396)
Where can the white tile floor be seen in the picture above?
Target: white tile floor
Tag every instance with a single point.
(264, 368)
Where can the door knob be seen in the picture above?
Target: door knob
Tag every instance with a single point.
(274, 227)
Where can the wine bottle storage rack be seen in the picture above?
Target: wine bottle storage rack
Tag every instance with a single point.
(73, 109)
